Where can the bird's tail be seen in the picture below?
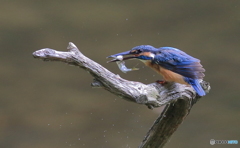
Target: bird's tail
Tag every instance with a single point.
(196, 85)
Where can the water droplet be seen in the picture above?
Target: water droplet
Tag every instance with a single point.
(126, 19)
(78, 138)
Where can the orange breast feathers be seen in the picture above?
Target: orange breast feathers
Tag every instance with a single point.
(167, 74)
(148, 54)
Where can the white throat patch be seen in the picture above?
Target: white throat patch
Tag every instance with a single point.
(152, 55)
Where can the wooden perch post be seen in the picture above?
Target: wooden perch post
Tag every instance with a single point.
(178, 98)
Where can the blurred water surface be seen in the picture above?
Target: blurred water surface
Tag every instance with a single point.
(50, 104)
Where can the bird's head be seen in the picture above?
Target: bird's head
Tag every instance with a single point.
(142, 52)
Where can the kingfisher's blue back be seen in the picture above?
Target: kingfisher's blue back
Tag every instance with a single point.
(181, 63)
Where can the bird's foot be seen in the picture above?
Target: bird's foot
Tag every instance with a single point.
(162, 82)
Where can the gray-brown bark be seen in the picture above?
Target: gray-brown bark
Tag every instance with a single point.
(179, 98)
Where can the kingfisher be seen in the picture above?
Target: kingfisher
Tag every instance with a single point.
(173, 64)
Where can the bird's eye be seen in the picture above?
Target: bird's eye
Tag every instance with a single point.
(136, 51)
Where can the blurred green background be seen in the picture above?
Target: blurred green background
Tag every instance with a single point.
(51, 105)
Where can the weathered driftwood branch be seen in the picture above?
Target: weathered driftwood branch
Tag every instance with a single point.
(179, 98)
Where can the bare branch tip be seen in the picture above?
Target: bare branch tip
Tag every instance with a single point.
(71, 46)
(43, 53)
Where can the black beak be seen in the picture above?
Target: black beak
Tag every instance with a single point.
(121, 54)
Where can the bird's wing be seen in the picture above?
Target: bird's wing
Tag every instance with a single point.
(179, 62)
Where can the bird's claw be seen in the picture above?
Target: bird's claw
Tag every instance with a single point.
(162, 82)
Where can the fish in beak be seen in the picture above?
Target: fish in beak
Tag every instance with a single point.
(119, 59)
